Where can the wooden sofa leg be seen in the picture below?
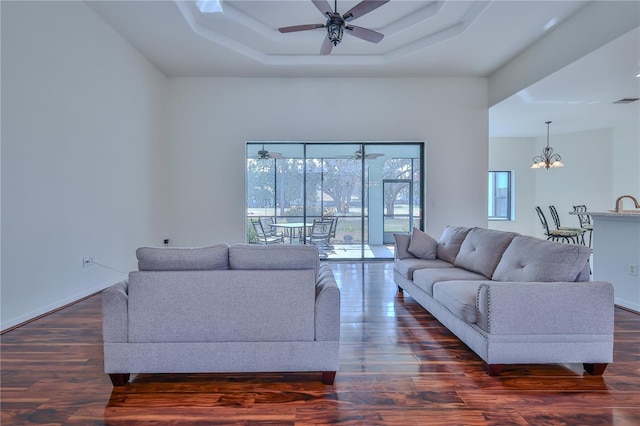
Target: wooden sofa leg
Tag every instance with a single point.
(328, 377)
(594, 369)
(119, 379)
(492, 369)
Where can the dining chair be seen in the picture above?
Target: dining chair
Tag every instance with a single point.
(585, 219)
(556, 220)
(556, 234)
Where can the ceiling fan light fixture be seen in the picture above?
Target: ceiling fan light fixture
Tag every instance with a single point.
(335, 29)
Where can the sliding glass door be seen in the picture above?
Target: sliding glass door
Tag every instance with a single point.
(294, 184)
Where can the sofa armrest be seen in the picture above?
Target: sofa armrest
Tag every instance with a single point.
(545, 308)
(327, 309)
(115, 313)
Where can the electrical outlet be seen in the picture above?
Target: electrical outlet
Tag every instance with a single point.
(633, 269)
(87, 261)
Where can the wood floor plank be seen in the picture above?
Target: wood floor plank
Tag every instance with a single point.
(398, 366)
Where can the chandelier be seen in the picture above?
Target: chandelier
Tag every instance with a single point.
(548, 159)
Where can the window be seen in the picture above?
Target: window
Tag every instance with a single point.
(500, 196)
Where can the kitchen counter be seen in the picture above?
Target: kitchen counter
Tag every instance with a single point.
(612, 213)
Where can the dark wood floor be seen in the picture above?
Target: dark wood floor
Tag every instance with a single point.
(398, 366)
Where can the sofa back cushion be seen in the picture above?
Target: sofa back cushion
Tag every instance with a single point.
(221, 306)
(533, 259)
(423, 245)
(450, 242)
(402, 246)
(280, 256)
(183, 258)
(482, 249)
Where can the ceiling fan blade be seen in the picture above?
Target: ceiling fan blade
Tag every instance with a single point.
(269, 156)
(363, 8)
(323, 6)
(364, 33)
(373, 156)
(295, 28)
(326, 46)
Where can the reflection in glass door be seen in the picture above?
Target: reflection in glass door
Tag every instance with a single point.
(398, 214)
(334, 191)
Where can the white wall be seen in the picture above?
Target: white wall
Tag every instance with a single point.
(515, 154)
(213, 117)
(626, 160)
(82, 130)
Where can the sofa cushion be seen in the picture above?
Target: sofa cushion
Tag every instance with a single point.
(406, 267)
(426, 278)
(532, 259)
(280, 256)
(450, 242)
(402, 246)
(482, 249)
(183, 258)
(423, 245)
(221, 306)
(459, 297)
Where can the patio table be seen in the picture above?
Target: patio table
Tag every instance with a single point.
(292, 229)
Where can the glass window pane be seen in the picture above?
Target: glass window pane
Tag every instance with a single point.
(500, 189)
(292, 183)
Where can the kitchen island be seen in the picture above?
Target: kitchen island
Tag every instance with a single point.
(616, 254)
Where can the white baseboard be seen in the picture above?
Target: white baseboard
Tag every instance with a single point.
(56, 305)
(627, 304)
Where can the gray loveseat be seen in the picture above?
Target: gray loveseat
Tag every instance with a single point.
(513, 299)
(238, 308)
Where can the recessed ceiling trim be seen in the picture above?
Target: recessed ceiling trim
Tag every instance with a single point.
(424, 13)
(415, 18)
(274, 59)
(191, 14)
(424, 42)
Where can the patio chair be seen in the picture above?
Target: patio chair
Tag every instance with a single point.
(266, 237)
(556, 234)
(332, 232)
(266, 223)
(320, 235)
(556, 220)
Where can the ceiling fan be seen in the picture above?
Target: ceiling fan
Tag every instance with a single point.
(358, 155)
(263, 154)
(336, 24)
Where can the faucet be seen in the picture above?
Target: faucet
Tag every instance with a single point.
(619, 202)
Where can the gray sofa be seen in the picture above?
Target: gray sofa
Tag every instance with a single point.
(238, 308)
(513, 299)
